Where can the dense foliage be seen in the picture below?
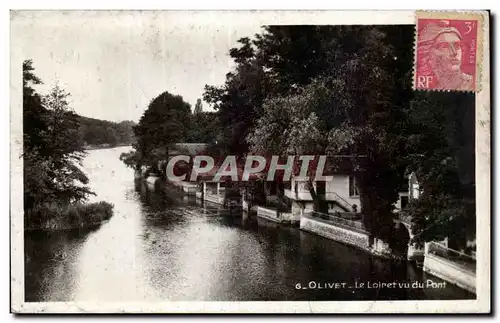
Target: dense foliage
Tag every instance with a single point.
(168, 120)
(53, 150)
(346, 90)
(443, 158)
(336, 91)
(56, 216)
(165, 122)
(203, 128)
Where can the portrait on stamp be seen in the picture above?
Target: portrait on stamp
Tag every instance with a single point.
(446, 54)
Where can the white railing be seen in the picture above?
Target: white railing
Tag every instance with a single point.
(301, 195)
(263, 211)
(332, 196)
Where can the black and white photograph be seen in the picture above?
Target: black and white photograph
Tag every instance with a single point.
(218, 157)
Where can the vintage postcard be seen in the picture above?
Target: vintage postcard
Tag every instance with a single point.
(250, 161)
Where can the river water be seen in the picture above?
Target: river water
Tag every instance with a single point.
(163, 246)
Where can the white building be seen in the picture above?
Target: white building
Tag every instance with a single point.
(341, 194)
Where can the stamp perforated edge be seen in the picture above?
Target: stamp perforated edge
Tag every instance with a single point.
(453, 15)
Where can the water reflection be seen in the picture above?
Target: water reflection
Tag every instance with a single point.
(161, 245)
(51, 264)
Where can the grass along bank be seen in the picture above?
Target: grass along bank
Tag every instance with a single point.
(78, 216)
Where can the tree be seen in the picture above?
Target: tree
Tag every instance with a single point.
(198, 108)
(293, 55)
(66, 150)
(372, 92)
(238, 102)
(164, 123)
(344, 95)
(290, 126)
(36, 170)
(204, 128)
(52, 152)
(339, 90)
(33, 111)
(443, 151)
(130, 159)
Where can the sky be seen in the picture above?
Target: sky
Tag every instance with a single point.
(115, 63)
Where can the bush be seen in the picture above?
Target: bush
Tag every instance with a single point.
(66, 217)
(131, 159)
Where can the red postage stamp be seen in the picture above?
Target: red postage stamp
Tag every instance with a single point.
(447, 51)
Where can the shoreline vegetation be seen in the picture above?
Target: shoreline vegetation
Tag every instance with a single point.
(58, 217)
(56, 141)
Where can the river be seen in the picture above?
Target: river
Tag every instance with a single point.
(162, 246)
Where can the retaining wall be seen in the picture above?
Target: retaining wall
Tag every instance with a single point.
(330, 231)
(447, 270)
(269, 214)
(214, 198)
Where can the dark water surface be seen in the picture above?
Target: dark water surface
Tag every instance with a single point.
(162, 246)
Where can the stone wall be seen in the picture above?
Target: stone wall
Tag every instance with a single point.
(450, 272)
(330, 231)
(281, 217)
(291, 217)
(214, 198)
(269, 214)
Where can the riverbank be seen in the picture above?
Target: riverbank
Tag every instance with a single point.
(341, 230)
(344, 234)
(348, 235)
(56, 217)
(161, 245)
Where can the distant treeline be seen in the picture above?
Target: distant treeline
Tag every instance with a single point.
(95, 132)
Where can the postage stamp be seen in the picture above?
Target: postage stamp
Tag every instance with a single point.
(233, 162)
(447, 47)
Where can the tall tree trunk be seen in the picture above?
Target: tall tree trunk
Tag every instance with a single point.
(318, 199)
(163, 171)
(378, 193)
